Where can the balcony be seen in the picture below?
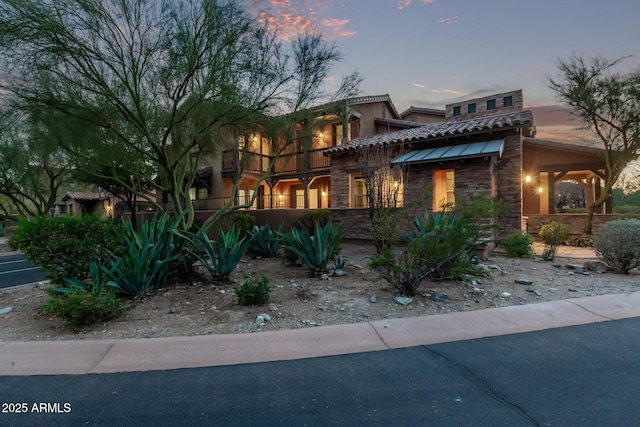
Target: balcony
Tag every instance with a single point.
(299, 162)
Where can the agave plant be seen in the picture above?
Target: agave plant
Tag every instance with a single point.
(266, 241)
(222, 257)
(148, 257)
(315, 251)
(74, 285)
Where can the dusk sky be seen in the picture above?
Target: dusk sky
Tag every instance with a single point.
(428, 53)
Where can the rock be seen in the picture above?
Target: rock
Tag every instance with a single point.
(557, 265)
(467, 278)
(595, 266)
(339, 272)
(403, 300)
(426, 295)
(373, 299)
(537, 292)
(260, 321)
(480, 281)
(493, 267)
(273, 307)
(577, 267)
(477, 291)
(306, 321)
(173, 310)
(6, 310)
(323, 276)
(358, 266)
(265, 316)
(538, 259)
(505, 295)
(441, 297)
(365, 315)
(524, 282)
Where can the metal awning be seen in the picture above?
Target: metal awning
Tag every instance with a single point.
(452, 152)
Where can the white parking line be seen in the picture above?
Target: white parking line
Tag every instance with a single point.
(17, 271)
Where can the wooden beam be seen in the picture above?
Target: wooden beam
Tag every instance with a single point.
(571, 167)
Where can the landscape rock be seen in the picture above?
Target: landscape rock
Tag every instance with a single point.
(324, 277)
(6, 310)
(260, 321)
(339, 272)
(577, 267)
(265, 316)
(524, 282)
(598, 266)
(273, 307)
(373, 299)
(173, 310)
(403, 300)
(505, 295)
(441, 297)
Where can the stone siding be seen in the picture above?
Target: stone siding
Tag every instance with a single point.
(574, 221)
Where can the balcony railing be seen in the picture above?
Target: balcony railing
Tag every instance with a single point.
(303, 161)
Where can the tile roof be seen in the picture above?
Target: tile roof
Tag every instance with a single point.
(440, 130)
(422, 110)
(397, 122)
(85, 196)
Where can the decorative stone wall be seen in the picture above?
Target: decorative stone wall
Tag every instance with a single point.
(509, 185)
(574, 221)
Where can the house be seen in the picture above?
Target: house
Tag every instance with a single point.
(485, 145)
(88, 203)
(299, 172)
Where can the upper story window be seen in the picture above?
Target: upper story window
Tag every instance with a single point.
(507, 101)
(456, 111)
(491, 104)
(471, 108)
(413, 119)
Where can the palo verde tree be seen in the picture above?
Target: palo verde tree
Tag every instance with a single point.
(607, 102)
(155, 79)
(33, 168)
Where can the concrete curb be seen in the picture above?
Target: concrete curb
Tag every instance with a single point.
(127, 355)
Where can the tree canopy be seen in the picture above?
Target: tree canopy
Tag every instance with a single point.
(606, 101)
(154, 80)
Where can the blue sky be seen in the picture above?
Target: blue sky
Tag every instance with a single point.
(429, 53)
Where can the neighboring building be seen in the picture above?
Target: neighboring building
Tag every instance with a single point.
(78, 203)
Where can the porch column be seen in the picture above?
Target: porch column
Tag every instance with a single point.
(551, 199)
(305, 184)
(543, 182)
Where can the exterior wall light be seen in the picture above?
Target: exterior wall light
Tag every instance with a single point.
(527, 178)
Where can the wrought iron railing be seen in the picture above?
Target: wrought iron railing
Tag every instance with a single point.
(302, 161)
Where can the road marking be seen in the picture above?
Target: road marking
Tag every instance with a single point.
(17, 271)
(12, 262)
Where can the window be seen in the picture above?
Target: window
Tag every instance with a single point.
(338, 133)
(413, 119)
(456, 111)
(202, 193)
(443, 189)
(358, 193)
(192, 193)
(507, 101)
(471, 108)
(491, 104)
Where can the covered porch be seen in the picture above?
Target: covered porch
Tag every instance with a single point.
(560, 178)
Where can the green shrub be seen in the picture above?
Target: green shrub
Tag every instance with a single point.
(517, 245)
(244, 222)
(385, 226)
(582, 241)
(438, 246)
(310, 217)
(265, 241)
(552, 234)
(63, 246)
(626, 209)
(618, 244)
(315, 251)
(83, 308)
(147, 258)
(254, 290)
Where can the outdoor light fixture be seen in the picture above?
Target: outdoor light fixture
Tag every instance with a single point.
(539, 189)
(324, 194)
(527, 178)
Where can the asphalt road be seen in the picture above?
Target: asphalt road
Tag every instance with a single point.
(14, 270)
(576, 376)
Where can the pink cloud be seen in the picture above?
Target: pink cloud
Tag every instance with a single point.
(419, 85)
(451, 91)
(291, 17)
(404, 3)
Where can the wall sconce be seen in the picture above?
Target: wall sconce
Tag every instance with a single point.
(539, 189)
(320, 135)
(527, 178)
(324, 194)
